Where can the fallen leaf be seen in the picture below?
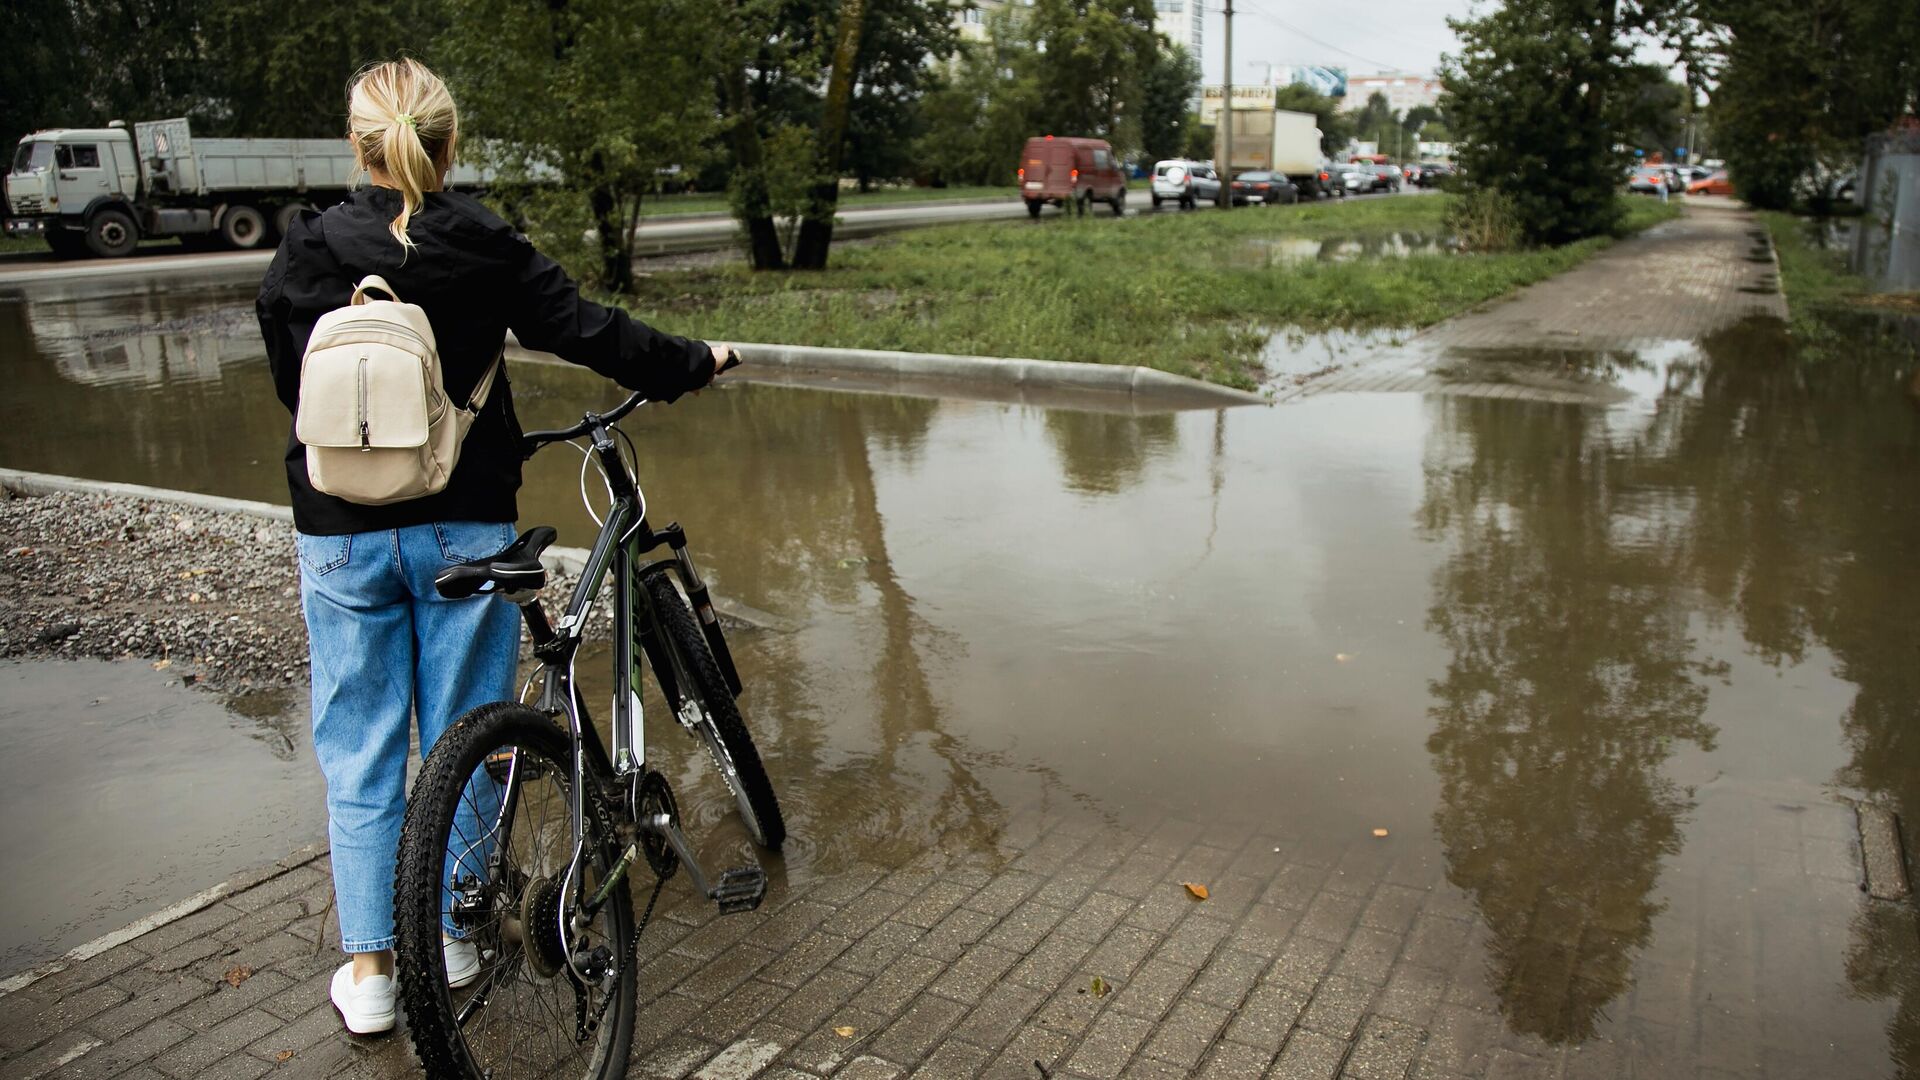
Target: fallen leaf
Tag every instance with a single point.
(1379, 832)
(283, 1056)
(844, 1032)
(1098, 986)
(239, 974)
(1198, 890)
(162, 665)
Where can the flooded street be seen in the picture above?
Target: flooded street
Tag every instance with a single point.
(1607, 671)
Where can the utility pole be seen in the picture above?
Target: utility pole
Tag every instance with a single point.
(1226, 121)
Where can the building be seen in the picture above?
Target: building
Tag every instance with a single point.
(1183, 23)
(1404, 90)
(971, 20)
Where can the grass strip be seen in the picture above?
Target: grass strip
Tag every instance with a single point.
(1195, 293)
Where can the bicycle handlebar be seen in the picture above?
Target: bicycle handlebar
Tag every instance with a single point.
(532, 441)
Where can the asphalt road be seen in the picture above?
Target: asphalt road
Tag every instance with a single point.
(663, 236)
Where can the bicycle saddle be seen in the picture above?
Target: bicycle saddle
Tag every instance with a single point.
(513, 569)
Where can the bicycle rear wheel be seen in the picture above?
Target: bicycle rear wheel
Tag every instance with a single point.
(486, 855)
(719, 725)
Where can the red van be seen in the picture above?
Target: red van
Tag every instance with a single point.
(1072, 174)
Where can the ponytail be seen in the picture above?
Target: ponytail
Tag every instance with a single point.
(401, 119)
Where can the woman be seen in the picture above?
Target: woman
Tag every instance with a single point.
(384, 646)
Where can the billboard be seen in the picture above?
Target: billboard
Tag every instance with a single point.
(1331, 81)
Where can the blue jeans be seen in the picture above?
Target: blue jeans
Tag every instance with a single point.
(385, 649)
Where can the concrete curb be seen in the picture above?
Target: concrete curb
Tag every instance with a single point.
(568, 560)
(1056, 383)
(172, 913)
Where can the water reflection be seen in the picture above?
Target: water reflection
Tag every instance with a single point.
(1762, 481)
(1571, 679)
(1104, 453)
(1297, 250)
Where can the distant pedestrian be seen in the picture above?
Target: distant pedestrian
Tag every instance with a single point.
(386, 649)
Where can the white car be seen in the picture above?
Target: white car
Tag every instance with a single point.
(1188, 183)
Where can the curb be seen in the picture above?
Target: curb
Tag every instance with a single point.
(1061, 383)
(569, 560)
(172, 913)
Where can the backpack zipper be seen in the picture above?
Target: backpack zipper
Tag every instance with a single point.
(366, 443)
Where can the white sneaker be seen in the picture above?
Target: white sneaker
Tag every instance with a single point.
(463, 962)
(367, 1005)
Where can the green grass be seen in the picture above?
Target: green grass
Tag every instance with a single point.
(11, 244)
(1811, 276)
(1191, 293)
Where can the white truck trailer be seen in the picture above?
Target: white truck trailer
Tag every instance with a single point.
(1278, 140)
(100, 191)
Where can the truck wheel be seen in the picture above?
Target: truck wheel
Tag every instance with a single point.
(243, 227)
(283, 217)
(1033, 208)
(111, 234)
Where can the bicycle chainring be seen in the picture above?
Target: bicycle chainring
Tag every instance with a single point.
(657, 798)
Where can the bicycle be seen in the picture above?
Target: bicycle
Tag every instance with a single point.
(522, 829)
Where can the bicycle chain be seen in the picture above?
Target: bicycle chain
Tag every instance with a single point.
(583, 1028)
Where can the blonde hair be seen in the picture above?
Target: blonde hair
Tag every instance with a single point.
(401, 119)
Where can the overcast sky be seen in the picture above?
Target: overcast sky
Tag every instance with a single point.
(1364, 38)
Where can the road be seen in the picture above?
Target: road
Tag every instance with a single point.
(665, 236)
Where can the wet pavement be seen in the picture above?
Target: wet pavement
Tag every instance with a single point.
(1608, 638)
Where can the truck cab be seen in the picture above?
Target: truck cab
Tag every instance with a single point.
(66, 180)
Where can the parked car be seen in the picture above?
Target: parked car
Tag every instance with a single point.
(1428, 174)
(1071, 173)
(1187, 183)
(1328, 182)
(1647, 179)
(1715, 183)
(1266, 188)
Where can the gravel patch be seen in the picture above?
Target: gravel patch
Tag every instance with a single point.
(213, 597)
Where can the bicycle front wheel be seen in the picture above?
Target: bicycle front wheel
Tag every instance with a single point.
(718, 723)
(487, 858)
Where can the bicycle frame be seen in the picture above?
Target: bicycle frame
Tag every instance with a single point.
(619, 551)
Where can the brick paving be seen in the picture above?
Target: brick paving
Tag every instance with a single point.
(1309, 959)
(1313, 957)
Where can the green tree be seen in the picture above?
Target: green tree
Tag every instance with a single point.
(1088, 59)
(1799, 85)
(605, 92)
(1535, 103)
(1167, 90)
(42, 72)
(900, 58)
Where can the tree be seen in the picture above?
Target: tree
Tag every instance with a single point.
(900, 53)
(1535, 103)
(622, 95)
(1801, 84)
(1167, 90)
(816, 226)
(42, 72)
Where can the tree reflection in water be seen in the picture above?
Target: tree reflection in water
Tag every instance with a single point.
(1572, 680)
(1105, 453)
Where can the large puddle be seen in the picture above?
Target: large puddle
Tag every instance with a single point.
(1606, 668)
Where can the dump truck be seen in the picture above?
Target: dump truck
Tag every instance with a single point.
(100, 191)
(1278, 140)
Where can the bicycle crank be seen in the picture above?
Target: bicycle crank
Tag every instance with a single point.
(740, 888)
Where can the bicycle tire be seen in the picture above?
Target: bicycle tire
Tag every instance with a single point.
(432, 1018)
(724, 732)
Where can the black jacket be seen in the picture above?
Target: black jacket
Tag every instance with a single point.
(477, 278)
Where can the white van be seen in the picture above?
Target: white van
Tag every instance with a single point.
(1188, 183)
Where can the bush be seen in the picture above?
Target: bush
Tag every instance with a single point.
(1482, 219)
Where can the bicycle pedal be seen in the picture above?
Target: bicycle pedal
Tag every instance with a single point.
(740, 889)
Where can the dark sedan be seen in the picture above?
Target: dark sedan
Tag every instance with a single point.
(1269, 189)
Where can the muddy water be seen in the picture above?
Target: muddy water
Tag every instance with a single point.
(1607, 671)
(122, 791)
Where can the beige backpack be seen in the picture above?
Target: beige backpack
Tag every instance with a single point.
(374, 413)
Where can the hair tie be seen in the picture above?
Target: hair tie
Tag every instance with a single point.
(407, 119)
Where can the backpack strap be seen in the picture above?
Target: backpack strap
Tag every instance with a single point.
(484, 389)
(373, 283)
